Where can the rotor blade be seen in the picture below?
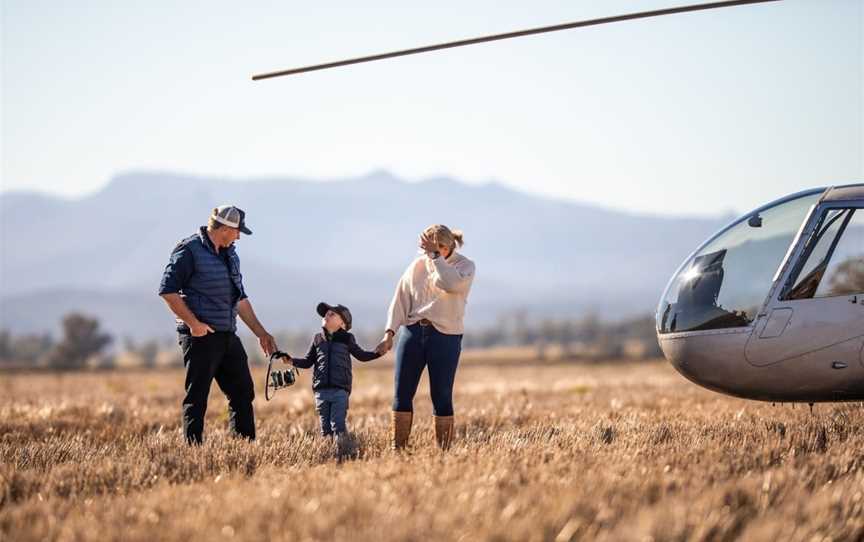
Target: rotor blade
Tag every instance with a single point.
(508, 35)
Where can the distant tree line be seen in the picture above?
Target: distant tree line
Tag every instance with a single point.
(82, 343)
(587, 337)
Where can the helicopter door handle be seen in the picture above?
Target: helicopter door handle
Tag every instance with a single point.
(853, 299)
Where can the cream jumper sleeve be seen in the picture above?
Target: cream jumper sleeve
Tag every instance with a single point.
(401, 302)
(455, 278)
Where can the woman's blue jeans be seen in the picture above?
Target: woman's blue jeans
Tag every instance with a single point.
(424, 346)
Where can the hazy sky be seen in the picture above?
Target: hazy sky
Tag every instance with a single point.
(695, 113)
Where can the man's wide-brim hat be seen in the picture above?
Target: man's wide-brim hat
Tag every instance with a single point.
(231, 216)
(341, 310)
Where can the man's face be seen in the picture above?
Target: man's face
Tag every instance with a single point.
(226, 235)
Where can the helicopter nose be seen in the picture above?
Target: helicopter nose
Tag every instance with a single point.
(713, 360)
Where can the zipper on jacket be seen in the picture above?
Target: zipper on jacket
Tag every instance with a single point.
(328, 359)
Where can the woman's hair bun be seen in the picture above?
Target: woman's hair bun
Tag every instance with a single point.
(459, 237)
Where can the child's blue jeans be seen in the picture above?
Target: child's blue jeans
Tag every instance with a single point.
(332, 407)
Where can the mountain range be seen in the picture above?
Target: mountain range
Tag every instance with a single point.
(343, 241)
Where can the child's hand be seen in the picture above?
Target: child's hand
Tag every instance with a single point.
(283, 356)
(385, 345)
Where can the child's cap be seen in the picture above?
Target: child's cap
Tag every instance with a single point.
(341, 310)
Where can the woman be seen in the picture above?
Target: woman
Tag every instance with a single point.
(430, 302)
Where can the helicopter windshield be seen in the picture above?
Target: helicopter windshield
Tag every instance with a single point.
(726, 281)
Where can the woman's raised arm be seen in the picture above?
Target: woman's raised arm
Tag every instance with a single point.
(455, 278)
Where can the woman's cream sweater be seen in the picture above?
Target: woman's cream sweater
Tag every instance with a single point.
(434, 289)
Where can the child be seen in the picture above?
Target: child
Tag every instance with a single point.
(330, 355)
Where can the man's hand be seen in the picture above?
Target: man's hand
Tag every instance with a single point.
(268, 344)
(178, 306)
(200, 329)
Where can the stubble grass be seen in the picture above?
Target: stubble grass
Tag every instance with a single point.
(542, 452)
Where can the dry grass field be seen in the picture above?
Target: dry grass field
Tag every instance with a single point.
(543, 452)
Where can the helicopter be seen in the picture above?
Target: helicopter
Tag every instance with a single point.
(769, 308)
(772, 306)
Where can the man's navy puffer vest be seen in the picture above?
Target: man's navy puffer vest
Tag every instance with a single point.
(213, 290)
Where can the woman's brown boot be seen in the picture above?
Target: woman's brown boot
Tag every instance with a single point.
(443, 431)
(400, 428)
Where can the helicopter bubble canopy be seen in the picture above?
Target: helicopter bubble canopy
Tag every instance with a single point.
(726, 281)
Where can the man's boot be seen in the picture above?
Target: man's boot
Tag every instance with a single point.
(400, 428)
(443, 431)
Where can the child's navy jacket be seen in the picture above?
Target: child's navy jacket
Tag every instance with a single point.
(330, 357)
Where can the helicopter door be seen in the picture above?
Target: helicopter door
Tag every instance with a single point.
(820, 309)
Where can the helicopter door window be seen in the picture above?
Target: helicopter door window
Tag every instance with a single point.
(834, 265)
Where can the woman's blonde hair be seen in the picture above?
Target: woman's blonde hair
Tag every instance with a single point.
(442, 235)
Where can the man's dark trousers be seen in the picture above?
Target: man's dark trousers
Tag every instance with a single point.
(218, 355)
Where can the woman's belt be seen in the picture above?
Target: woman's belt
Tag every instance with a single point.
(425, 322)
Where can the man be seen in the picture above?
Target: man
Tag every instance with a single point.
(203, 287)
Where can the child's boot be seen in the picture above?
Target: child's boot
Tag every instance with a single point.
(400, 428)
(443, 431)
